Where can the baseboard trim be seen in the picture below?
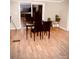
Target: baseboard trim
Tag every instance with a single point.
(15, 28)
(12, 28)
(63, 28)
(18, 28)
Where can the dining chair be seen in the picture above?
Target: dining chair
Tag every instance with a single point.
(43, 27)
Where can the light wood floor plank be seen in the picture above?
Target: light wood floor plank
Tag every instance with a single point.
(54, 48)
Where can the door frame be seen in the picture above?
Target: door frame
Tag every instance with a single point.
(36, 3)
(43, 8)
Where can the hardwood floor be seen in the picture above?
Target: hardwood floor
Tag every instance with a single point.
(54, 48)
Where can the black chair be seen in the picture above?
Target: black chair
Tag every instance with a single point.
(42, 27)
(38, 24)
(46, 27)
(38, 27)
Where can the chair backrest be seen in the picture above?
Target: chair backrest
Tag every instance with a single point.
(47, 25)
(38, 25)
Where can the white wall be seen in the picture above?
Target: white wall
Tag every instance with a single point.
(62, 9)
(50, 10)
(65, 15)
(53, 8)
(15, 13)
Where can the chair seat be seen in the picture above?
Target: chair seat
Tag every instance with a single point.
(33, 30)
(36, 30)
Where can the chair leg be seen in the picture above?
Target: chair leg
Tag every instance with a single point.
(34, 36)
(49, 35)
(40, 35)
(46, 33)
(31, 33)
(37, 33)
(26, 32)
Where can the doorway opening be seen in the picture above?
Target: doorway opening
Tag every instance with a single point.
(28, 12)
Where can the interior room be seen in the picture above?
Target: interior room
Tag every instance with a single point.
(39, 29)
